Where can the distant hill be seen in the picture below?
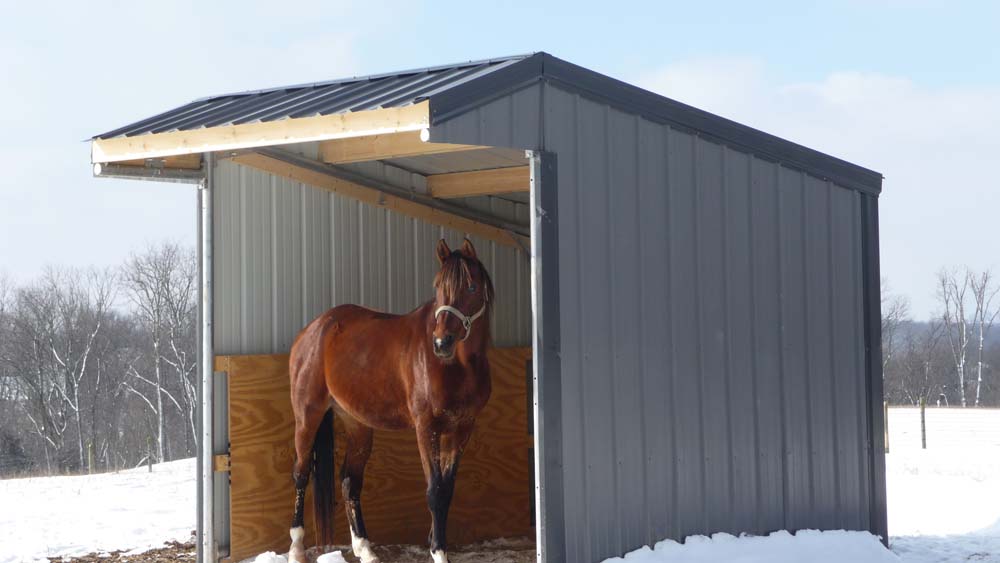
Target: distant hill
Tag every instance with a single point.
(913, 327)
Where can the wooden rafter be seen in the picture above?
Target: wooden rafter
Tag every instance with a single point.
(479, 182)
(371, 196)
(381, 147)
(251, 135)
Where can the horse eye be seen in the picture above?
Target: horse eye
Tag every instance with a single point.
(472, 288)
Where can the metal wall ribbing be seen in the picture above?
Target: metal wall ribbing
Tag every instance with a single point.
(698, 337)
(712, 343)
(286, 252)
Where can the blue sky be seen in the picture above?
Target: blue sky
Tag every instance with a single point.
(909, 88)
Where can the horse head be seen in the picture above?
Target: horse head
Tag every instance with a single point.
(463, 296)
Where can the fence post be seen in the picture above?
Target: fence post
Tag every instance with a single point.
(885, 419)
(90, 457)
(149, 453)
(923, 423)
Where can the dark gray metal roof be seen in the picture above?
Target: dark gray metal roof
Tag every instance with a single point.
(455, 89)
(320, 98)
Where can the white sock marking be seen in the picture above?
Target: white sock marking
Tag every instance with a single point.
(297, 553)
(439, 556)
(363, 549)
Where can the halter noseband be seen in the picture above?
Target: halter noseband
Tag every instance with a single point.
(466, 321)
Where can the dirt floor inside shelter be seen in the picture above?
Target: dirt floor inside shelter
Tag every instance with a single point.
(498, 551)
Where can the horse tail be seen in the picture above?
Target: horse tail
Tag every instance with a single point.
(322, 470)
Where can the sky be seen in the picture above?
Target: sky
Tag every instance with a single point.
(908, 88)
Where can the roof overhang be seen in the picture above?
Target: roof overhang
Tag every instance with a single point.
(414, 117)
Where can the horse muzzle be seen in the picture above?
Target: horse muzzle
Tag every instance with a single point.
(444, 347)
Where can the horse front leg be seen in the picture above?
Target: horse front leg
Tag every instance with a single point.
(440, 454)
(352, 476)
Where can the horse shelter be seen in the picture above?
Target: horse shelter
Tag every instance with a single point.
(687, 324)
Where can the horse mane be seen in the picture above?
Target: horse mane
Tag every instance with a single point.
(456, 274)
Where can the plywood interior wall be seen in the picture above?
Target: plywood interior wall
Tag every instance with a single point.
(493, 495)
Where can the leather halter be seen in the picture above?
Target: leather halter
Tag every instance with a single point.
(466, 320)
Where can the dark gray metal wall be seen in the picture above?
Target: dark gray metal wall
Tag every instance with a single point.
(712, 331)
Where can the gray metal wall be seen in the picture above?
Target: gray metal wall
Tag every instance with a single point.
(712, 338)
(285, 252)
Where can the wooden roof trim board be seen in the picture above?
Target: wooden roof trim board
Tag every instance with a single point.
(252, 135)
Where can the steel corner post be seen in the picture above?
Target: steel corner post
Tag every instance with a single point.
(206, 541)
(547, 379)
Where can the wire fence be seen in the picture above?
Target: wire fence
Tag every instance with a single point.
(936, 427)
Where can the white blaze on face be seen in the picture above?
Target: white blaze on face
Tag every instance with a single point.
(439, 556)
(363, 549)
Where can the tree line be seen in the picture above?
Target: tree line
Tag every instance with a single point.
(952, 359)
(98, 366)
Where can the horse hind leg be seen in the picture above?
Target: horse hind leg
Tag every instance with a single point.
(358, 449)
(309, 430)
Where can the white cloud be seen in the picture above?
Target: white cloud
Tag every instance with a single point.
(936, 147)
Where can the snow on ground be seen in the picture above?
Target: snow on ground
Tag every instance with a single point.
(77, 515)
(779, 547)
(944, 506)
(944, 503)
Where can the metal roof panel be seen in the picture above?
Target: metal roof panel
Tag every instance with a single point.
(458, 88)
(321, 98)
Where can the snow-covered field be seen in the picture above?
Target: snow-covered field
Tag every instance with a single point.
(944, 506)
(79, 515)
(944, 502)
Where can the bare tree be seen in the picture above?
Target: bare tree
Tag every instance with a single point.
(920, 367)
(181, 334)
(48, 347)
(953, 290)
(82, 303)
(984, 290)
(80, 387)
(895, 310)
(160, 282)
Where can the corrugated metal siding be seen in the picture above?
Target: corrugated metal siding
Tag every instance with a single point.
(711, 329)
(512, 121)
(710, 323)
(286, 252)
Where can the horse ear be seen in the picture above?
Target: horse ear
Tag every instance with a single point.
(443, 251)
(468, 250)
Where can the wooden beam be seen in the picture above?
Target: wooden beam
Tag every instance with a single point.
(221, 463)
(381, 147)
(480, 182)
(251, 135)
(378, 198)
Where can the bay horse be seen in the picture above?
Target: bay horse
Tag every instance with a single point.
(425, 370)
